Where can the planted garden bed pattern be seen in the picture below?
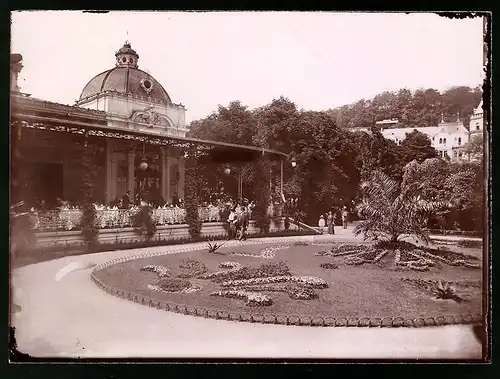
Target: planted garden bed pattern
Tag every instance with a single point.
(361, 283)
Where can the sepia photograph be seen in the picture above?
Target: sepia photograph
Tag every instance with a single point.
(249, 186)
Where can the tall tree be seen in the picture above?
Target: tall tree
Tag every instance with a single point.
(417, 146)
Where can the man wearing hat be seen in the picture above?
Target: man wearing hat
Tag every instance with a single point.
(321, 224)
(344, 216)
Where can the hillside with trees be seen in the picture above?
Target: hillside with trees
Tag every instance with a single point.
(333, 161)
(420, 108)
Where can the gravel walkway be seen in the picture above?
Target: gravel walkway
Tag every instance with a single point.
(72, 317)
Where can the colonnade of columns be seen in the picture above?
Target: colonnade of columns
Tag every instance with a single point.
(116, 186)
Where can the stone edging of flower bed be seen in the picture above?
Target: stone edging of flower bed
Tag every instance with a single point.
(328, 321)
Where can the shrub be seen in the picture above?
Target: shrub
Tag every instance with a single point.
(88, 221)
(174, 285)
(301, 243)
(329, 266)
(444, 290)
(144, 224)
(213, 247)
(260, 213)
(192, 196)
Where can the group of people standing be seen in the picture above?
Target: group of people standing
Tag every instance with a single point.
(330, 221)
(238, 223)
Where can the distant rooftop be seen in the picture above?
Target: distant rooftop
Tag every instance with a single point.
(388, 121)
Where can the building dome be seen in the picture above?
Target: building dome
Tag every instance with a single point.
(127, 79)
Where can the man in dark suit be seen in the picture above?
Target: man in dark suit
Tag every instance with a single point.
(175, 200)
(243, 223)
(126, 200)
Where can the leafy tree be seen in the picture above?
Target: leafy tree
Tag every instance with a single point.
(390, 210)
(232, 124)
(417, 146)
(192, 195)
(262, 197)
(89, 216)
(475, 148)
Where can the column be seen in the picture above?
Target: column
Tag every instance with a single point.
(108, 181)
(281, 178)
(164, 184)
(182, 174)
(131, 173)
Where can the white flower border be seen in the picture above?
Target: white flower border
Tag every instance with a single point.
(195, 287)
(251, 298)
(161, 271)
(313, 281)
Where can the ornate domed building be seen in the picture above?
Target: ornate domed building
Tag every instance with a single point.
(134, 134)
(133, 97)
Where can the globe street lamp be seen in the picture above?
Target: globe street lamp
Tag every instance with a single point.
(143, 165)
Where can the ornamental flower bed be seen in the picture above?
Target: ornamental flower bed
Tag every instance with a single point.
(161, 271)
(406, 257)
(300, 292)
(472, 265)
(295, 291)
(329, 266)
(380, 255)
(340, 249)
(174, 285)
(251, 298)
(192, 268)
(370, 255)
(419, 265)
(354, 261)
(221, 275)
(231, 265)
(270, 252)
(312, 281)
(264, 270)
(452, 255)
(301, 243)
(190, 289)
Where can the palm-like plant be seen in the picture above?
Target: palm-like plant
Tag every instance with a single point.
(213, 247)
(446, 291)
(390, 210)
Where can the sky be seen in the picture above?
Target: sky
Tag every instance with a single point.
(319, 60)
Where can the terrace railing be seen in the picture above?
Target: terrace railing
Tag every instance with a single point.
(69, 219)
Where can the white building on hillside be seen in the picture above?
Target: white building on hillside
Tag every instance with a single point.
(444, 137)
(476, 120)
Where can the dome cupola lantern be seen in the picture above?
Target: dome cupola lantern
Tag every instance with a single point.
(126, 56)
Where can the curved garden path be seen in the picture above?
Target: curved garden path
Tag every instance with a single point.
(70, 316)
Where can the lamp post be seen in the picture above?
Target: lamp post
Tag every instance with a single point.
(227, 171)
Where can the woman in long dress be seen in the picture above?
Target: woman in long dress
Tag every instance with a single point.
(329, 223)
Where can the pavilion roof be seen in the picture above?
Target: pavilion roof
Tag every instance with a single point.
(45, 115)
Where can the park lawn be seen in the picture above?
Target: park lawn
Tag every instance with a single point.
(370, 290)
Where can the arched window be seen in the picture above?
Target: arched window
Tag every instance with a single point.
(444, 140)
(477, 126)
(440, 140)
(459, 140)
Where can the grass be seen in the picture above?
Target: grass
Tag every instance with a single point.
(370, 290)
